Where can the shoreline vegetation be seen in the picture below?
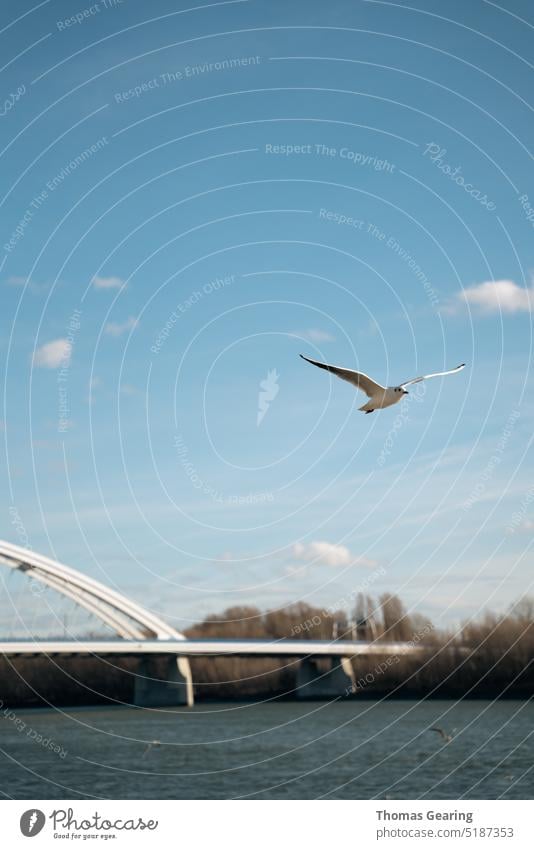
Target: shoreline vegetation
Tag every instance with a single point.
(489, 657)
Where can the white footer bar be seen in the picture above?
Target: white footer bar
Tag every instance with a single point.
(268, 824)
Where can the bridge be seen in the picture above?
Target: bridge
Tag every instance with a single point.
(140, 632)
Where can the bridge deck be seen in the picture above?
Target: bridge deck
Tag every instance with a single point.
(191, 648)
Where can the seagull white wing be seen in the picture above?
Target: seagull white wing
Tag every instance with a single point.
(357, 378)
(436, 374)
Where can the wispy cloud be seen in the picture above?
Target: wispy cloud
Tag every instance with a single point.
(108, 283)
(114, 328)
(19, 282)
(128, 389)
(328, 554)
(313, 334)
(54, 354)
(497, 296)
(526, 526)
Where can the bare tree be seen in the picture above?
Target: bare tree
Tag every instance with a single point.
(523, 609)
(365, 622)
(397, 625)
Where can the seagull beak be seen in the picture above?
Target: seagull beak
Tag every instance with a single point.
(404, 392)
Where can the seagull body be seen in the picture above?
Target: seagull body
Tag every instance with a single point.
(379, 396)
(443, 734)
(149, 747)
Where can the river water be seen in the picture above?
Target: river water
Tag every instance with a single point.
(340, 750)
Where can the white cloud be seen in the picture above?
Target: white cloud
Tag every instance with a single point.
(313, 334)
(499, 296)
(19, 282)
(128, 389)
(526, 526)
(114, 328)
(296, 571)
(53, 354)
(108, 283)
(328, 554)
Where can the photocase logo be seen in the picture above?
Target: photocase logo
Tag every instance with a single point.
(32, 822)
(268, 391)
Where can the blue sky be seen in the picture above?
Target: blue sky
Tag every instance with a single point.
(192, 197)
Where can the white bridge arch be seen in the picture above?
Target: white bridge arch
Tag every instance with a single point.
(146, 635)
(128, 619)
(125, 617)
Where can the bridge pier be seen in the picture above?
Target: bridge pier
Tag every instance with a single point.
(174, 688)
(337, 680)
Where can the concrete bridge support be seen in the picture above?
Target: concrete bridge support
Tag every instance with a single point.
(156, 689)
(314, 682)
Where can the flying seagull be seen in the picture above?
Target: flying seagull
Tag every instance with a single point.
(379, 396)
(150, 745)
(443, 734)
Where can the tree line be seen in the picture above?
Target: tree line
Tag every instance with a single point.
(491, 656)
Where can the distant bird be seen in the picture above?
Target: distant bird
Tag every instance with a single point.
(148, 748)
(443, 734)
(380, 396)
